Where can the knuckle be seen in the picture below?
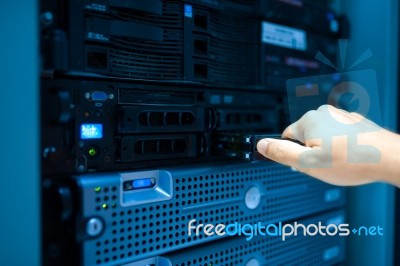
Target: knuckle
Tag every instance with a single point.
(310, 115)
(324, 107)
(355, 114)
(290, 130)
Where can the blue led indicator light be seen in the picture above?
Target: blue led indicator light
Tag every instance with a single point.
(188, 11)
(143, 183)
(91, 131)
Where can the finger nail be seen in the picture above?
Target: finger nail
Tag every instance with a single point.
(262, 146)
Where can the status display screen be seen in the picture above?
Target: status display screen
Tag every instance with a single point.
(284, 36)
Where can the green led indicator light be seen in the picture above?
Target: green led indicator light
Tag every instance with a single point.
(114, 205)
(92, 152)
(97, 189)
(104, 206)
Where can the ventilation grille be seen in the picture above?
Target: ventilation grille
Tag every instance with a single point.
(169, 146)
(142, 148)
(243, 119)
(171, 16)
(166, 119)
(233, 49)
(148, 119)
(150, 59)
(242, 5)
(106, 199)
(234, 28)
(151, 229)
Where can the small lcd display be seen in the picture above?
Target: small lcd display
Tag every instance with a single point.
(283, 36)
(91, 131)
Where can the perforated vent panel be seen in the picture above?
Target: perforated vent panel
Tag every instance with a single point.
(210, 194)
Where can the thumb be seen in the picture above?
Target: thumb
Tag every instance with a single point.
(282, 151)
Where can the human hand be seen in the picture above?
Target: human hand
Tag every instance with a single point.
(341, 148)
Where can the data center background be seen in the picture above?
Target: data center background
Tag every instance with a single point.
(20, 180)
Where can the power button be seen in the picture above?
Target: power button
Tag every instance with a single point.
(253, 197)
(253, 262)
